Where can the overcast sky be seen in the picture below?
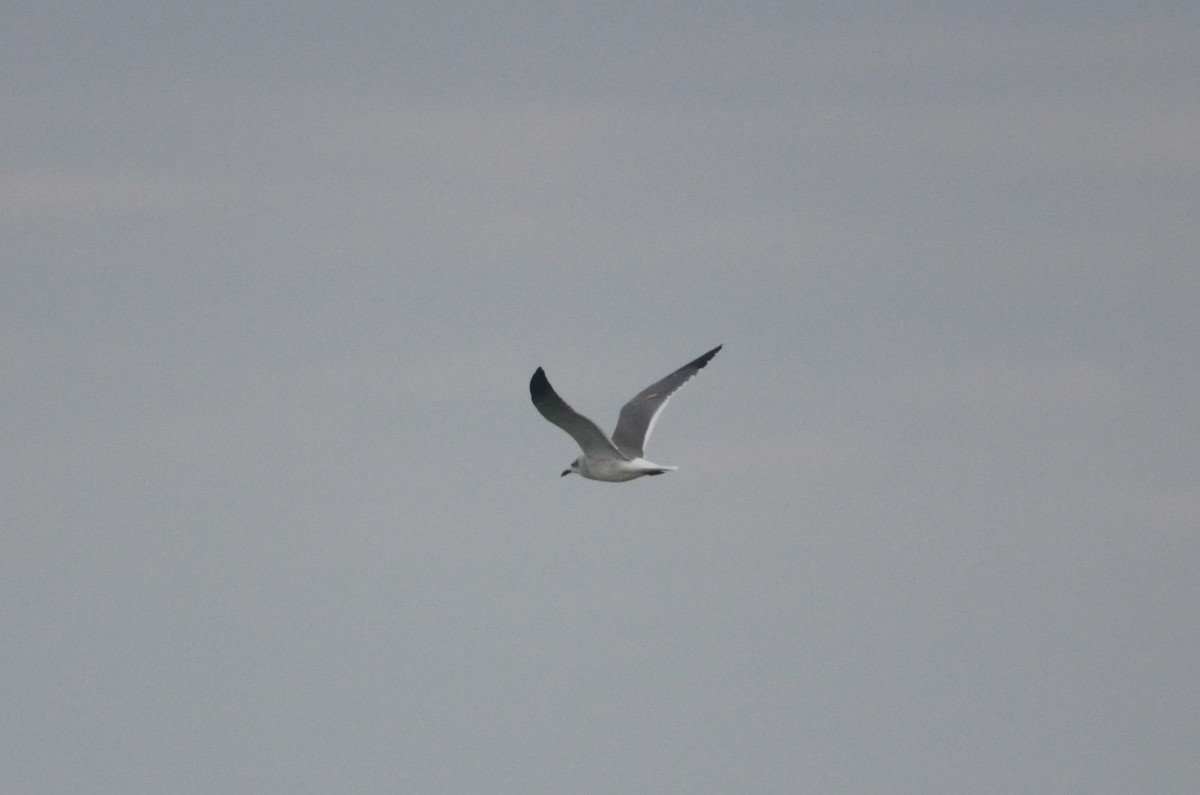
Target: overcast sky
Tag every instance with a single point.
(277, 514)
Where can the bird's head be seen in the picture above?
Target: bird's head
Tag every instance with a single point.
(573, 468)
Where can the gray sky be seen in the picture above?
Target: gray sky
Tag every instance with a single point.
(278, 515)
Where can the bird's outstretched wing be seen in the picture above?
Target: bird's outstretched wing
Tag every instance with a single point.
(639, 414)
(589, 436)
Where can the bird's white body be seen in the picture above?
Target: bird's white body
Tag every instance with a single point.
(615, 470)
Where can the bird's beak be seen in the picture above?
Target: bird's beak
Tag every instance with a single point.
(565, 473)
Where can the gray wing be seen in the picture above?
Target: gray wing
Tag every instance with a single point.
(639, 415)
(591, 439)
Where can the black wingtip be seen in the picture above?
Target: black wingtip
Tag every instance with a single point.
(703, 360)
(539, 384)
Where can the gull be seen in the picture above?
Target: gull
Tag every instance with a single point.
(620, 457)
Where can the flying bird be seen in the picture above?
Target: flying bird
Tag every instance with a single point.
(620, 457)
